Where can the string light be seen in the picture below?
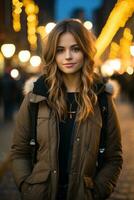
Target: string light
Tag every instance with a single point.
(125, 43)
(31, 9)
(16, 11)
(121, 12)
(114, 50)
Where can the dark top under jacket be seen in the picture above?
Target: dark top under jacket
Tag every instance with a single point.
(66, 128)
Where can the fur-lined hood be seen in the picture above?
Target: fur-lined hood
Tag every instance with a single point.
(37, 85)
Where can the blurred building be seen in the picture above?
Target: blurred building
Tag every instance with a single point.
(65, 9)
(5, 20)
(47, 11)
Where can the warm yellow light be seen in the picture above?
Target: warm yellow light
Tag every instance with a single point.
(116, 64)
(8, 50)
(17, 3)
(17, 11)
(132, 50)
(24, 55)
(30, 8)
(106, 70)
(15, 16)
(110, 66)
(14, 73)
(41, 29)
(1, 58)
(14, 2)
(31, 18)
(16, 26)
(1, 63)
(130, 70)
(36, 11)
(32, 39)
(49, 27)
(26, 2)
(31, 30)
(35, 61)
(32, 24)
(114, 50)
(88, 25)
(121, 12)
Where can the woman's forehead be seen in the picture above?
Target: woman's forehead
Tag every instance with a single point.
(67, 38)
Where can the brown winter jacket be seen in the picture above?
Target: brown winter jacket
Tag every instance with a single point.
(84, 183)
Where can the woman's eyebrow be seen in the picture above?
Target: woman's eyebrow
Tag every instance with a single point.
(60, 46)
(73, 45)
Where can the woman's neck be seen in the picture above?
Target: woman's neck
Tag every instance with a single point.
(72, 82)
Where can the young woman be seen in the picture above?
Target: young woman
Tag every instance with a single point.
(69, 124)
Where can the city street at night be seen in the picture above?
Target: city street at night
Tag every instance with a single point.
(65, 59)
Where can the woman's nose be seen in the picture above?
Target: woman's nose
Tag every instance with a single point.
(68, 54)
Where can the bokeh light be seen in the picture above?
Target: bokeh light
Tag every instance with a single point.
(88, 25)
(24, 55)
(49, 27)
(14, 73)
(35, 61)
(8, 50)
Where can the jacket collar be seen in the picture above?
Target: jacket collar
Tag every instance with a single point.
(40, 89)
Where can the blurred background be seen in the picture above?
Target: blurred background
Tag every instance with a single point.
(23, 27)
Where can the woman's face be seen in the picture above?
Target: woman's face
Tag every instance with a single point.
(69, 56)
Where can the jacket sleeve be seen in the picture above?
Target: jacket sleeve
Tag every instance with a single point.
(106, 178)
(20, 149)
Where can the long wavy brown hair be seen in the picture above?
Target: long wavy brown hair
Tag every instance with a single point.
(57, 89)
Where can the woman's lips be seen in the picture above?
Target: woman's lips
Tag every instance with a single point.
(69, 65)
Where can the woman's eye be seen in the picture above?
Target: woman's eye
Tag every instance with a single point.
(76, 49)
(59, 50)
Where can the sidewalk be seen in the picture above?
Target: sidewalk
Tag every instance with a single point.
(8, 188)
(125, 186)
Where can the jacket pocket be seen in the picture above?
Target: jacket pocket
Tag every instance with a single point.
(36, 186)
(38, 177)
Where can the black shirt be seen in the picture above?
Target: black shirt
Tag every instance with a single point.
(66, 128)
